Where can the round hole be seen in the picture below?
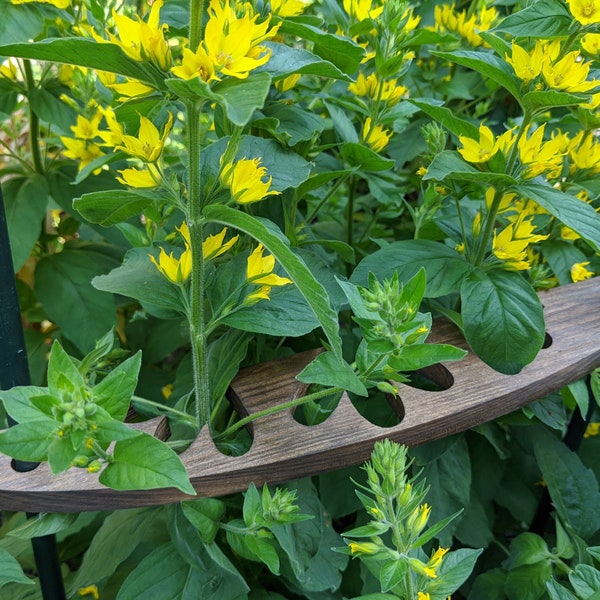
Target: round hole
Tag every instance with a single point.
(435, 378)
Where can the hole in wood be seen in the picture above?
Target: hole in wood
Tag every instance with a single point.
(316, 411)
(435, 378)
(547, 341)
(383, 410)
(22, 466)
(228, 412)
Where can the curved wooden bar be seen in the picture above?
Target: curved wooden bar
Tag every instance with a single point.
(283, 449)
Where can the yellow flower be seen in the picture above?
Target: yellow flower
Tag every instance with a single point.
(418, 519)
(590, 42)
(423, 596)
(82, 150)
(233, 43)
(510, 245)
(386, 91)
(283, 85)
(87, 129)
(149, 143)
(446, 19)
(569, 74)
(479, 151)
(421, 568)
(244, 179)
(363, 548)
(174, 269)
(362, 9)
(527, 65)
(259, 271)
(89, 590)
(541, 157)
(579, 271)
(584, 151)
(213, 245)
(195, 64)
(8, 69)
(436, 560)
(57, 3)
(140, 40)
(592, 430)
(140, 178)
(375, 136)
(566, 233)
(586, 12)
(114, 135)
(289, 8)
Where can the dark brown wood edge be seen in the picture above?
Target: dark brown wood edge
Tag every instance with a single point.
(283, 449)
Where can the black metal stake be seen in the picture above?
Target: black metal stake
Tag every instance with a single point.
(14, 370)
(572, 440)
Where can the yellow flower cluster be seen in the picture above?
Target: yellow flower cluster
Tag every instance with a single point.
(178, 270)
(375, 136)
(510, 245)
(245, 180)
(468, 27)
(377, 89)
(579, 272)
(568, 73)
(363, 9)
(231, 44)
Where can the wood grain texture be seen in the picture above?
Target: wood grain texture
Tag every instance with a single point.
(283, 449)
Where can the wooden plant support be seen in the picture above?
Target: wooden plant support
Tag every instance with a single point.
(284, 449)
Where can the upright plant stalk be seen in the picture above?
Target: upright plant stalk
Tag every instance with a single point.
(34, 123)
(194, 214)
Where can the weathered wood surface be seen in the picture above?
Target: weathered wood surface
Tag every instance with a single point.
(283, 449)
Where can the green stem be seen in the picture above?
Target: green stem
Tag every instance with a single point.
(274, 409)
(34, 123)
(196, 12)
(198, 333)
(327, 196)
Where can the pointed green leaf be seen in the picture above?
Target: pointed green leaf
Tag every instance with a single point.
(85, 53)
(28, 441)
(114, 392)
(327, 370)
(573, 212)
(361, 157)
(143, 463)
(10, 570)
(550, 98)
(17, 403)
(111, 207)
(546, 19)
(503, 319)
(446, 117)
(418, 356)
(309, 287)
(63, 375)
(486, 64)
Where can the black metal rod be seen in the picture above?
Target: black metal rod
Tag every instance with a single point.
(14, 370)
(572, 440)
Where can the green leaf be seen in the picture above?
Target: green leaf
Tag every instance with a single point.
(528, 582)
(574, 213)
(342, 52)
(20, 23)
(361, 157)
(392, 573)
(585, 580)
(558, 592)
(52, 110)
(527, 549)
(25, 202)
(295, 124)
(572, 486)
(143, 463)
(139, 279)
(114, 392)
(44, 524)
(546, 19)
(63, 285)
(561, 256)
(327, 370)
(204, 514)
(264, 551)
(63, 375)
(418, 356)
(61, 454)
(454, 571)
(449, 165)
(18, 405)
(309, 287)
(286, 60)
(252, 509)
(241, 97)
(446, 117)
(488, 65)
(10, 570)
(503, 319)
(535, 101)
(28, 441)
(445, 268)
(111, 207)
(285, 314)
(85, 53)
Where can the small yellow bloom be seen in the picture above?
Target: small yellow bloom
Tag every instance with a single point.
(89, 590)
(418, 519)
(289, 8)
(288, 83)
(579, 271)
(527, 65)
(436, 560)
(57, 3)
(586, 12)
(363, 548)
(592, 430)
(590, 42)
(82, 150)
(423, 596)
(446, 19)
(244, 179)
(149, 144)
(569, 74)
(362, 9)
(213, 245)
(174, 269)
(421, 171)
(421, 568)
(474, 151)
(139, 178)
(259, 271)
(510, 245)
(8, 69)
(375, 136)
(195, 64)
(378, 90)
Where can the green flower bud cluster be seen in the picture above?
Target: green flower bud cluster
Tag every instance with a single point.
(396, 505)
